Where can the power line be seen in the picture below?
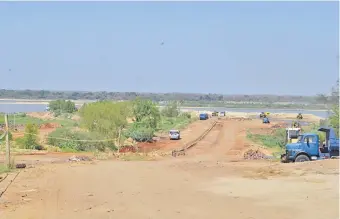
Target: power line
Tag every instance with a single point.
(67, 139)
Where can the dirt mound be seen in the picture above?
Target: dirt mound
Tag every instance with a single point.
(253, 154)
(279, 125)
(79, 158)
(76, 117)
(150, 146)
(41, 115)
(125, 149)
(49, 126)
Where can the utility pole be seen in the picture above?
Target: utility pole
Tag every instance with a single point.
(8, 152)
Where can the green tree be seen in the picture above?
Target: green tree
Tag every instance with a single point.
(146, 112)
(31, 136)
(334, 99)
(105, 117)
(171, 109)
(62, 106)
(147, 117)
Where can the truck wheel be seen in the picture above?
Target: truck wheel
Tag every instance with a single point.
(302, 158)
(284, 158)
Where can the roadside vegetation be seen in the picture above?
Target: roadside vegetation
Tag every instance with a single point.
(100, 126)
(19, 119)
(275, 140)
(3, 169)
(172, 118)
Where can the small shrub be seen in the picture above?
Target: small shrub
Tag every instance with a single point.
(58, 106)
(277, 139)
(20, 142)
(31, 136)
(57, 138)
(10, 136)
(186, 115)
(139, 133)
(57, 113)
(21, 115)
(171, 109)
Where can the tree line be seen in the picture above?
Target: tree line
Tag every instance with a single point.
(158, 97)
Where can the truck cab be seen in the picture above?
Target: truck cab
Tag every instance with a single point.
(308, 147)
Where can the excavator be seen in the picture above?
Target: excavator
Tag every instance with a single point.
(264, 114)
(296, 124)
(299, 116)
(265, 119)
(215, 113)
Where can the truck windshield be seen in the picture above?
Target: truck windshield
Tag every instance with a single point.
(300, 138)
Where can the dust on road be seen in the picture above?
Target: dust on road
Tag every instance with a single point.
(207, 183)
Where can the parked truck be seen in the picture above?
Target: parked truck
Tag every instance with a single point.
(309, 147)
(204, 116)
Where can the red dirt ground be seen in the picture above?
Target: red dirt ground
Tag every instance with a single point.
(207, 183)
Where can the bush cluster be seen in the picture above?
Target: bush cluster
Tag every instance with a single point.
(57, 138)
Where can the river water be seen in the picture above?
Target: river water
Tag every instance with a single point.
(7, 107)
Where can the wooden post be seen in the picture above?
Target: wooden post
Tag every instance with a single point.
(119, 134)
(8, 152)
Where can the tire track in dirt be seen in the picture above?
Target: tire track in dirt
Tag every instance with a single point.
(227, 140)
(207, 143)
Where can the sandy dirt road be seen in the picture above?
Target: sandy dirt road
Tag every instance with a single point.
(207, 183)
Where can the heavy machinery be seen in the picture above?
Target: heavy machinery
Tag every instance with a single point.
(296, 124)
(222, 113)
(265, 120)
(308, 147)
(299, 116)
(215, 113)
(264, 114)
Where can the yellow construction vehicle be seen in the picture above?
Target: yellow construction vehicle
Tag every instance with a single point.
(264, 114)
(299, 116)
(296, 124)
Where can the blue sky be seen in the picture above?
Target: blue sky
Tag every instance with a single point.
(209, 47)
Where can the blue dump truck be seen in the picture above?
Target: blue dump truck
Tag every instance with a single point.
(308, 147)
(204, 116)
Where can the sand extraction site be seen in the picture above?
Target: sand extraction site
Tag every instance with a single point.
(211, 180)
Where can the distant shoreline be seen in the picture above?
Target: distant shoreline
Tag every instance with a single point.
(249, 108)
(231, 106)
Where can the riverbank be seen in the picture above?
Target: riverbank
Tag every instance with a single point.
(245, 106)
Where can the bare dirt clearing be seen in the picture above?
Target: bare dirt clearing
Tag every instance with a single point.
(210, 182)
